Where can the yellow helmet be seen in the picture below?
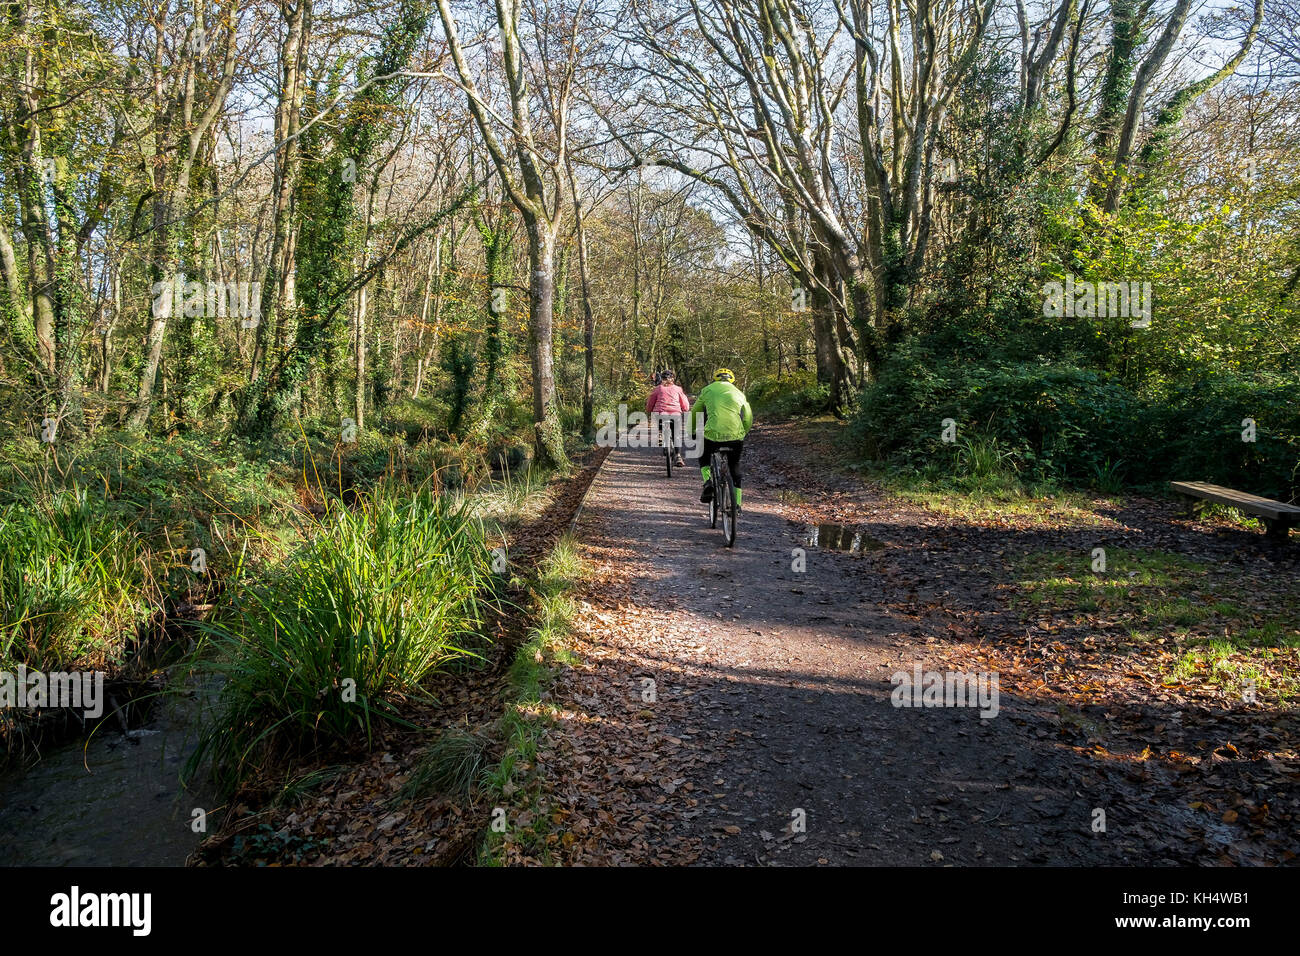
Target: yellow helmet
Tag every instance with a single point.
(723, 375)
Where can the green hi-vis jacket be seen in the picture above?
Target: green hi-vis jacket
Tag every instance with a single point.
(725, 410)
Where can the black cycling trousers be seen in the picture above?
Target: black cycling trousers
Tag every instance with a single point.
(733, 456)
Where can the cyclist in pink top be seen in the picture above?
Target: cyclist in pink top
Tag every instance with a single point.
(668, 405)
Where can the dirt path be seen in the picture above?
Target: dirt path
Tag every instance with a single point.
(768, 735)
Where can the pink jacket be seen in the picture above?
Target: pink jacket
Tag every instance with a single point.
(667, 399)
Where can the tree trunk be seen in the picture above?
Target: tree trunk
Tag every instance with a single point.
(421, 360)
(278, 293)
(359, 392)
(549, 437)
(588, 326)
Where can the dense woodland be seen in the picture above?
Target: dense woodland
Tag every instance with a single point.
(234, 216)
(258, 252)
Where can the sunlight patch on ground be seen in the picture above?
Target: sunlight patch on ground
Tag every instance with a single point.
(1227, 630)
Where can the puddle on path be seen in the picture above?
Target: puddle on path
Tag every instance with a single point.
(840, 537)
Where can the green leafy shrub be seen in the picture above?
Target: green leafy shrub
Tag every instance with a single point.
(175, 494)
(795, 394)
(1199, 428)
(1055, 421)
(416, 419)
(1059, 422)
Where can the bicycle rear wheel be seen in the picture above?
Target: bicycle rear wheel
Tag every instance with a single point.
(714, 483)
(668, 458)
(727, 491)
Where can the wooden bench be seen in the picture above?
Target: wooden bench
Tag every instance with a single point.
(1278, 518)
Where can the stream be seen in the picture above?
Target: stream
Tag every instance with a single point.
(111, 799)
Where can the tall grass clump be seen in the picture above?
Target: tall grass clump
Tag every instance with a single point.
(73, 584)
(983, 465)
(381, 594)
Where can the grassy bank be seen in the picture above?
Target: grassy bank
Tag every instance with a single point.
(119, 543)
(73, 584)
(517, 815)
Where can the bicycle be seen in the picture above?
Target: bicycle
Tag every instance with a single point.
(724, 495)
(668, 441)
(666, 432)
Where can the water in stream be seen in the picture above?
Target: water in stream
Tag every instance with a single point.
(112, 800)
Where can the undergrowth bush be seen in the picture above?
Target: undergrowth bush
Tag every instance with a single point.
(1057, 422)
(795, 394)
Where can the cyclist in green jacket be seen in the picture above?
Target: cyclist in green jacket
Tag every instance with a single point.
(726, 416)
